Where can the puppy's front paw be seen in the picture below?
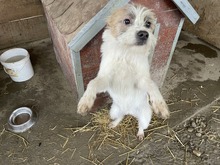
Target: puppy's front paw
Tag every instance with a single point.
(160, 108)
(85, 105)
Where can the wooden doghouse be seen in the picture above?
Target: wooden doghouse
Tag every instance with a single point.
(76, 28)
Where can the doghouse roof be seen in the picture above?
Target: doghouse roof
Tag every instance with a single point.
(71, 16)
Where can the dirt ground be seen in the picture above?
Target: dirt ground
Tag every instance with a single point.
(195, 142)
(61, 137)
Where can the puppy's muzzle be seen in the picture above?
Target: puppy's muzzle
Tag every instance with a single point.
(142, 37)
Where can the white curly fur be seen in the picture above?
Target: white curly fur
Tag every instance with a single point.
(124, 70)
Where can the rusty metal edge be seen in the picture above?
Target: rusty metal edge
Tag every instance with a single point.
(173, 47)
(77, 68)
(156, 35)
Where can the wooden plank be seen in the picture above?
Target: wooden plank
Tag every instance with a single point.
(70, 16)
(12, 10)
(21, 31)
(62, 52)
(59, 7)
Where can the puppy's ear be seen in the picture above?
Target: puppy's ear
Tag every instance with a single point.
(110, 20)
(115, 19)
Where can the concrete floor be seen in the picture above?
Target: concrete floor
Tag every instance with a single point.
(192, 85)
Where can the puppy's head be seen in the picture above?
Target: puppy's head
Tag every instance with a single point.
(132, 25)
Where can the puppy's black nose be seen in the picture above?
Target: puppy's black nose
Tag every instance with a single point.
(142, 35)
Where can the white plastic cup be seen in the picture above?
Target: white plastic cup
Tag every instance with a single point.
(17, 64)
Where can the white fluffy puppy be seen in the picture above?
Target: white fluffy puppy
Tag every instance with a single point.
(124, 69)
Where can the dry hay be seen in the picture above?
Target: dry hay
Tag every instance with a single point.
(123, 136)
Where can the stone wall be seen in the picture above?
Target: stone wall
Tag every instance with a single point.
(208, 26)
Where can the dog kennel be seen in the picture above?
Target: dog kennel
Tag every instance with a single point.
(76, 27)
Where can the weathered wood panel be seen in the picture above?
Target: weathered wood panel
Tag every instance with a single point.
(16, 9)
(70, 16)
(21, 31)
(21, 21)
(62, 52)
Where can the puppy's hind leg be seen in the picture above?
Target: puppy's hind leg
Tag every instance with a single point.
(116, 116)
(144, 117)
(95, 86)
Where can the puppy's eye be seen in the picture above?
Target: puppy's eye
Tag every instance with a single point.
(127, 21)
(147, 24)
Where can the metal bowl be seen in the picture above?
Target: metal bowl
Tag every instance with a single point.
(21, 120)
